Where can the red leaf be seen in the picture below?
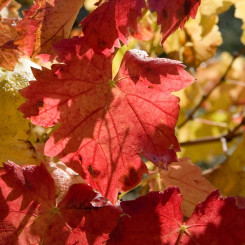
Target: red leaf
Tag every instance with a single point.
(107, 123)
(27, 31)
(173, 14)
(148, 219)
(55, 20)
(156, 219)
(111, 22)
(29, 214)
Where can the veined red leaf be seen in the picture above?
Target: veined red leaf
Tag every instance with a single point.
(173, 14)
(106, 123)
(157, 219)
(29, 214)
(111, 22)
(55, 19)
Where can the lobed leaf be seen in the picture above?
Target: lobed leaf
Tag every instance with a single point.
(55, 18)
(107, 123)
(173, 14)
(29, 214)
(119, 16)
(17, 40)
(111, 22)
(156, 219)
(194, 188)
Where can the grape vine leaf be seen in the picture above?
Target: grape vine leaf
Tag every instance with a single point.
(239, 13)
(9, 53)
(188, 177)
(107, 123)
(56, 19)
(63, 177)
(217, 220)
(16, 40)
(229, 176)
(196, 43)
(173, 14)
(111, 22)
(14, 129)
(30, 215)
(119, 16)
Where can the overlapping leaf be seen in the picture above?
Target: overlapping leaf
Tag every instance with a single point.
(157, 219)
(30, 215)
(43, 24)
(111, 22)
(239, 13)
(14, 129)
(173, 14)
(188, 177)
(16, 40)
(55, 18)
(9, 53)
(106, 124)
(229, 176)
(119, 15)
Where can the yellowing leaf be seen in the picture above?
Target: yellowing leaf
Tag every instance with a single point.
(210, 7)
(199, 128)
(229, 177)
(14, 128)
(197, 42)
(239, 13)
(188, 177)
(56, 18)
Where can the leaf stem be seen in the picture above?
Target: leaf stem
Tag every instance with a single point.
(206, 96)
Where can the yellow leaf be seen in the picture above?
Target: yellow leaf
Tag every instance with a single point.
(197, 42)
(239, 13)
(188, 177)
(229, 177)
(210, 7)
(14, 129)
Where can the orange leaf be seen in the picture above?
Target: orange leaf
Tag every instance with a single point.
(56, 18)
(188, 177)
(9, 52)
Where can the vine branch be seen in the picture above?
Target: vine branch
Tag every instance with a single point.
(206, 96)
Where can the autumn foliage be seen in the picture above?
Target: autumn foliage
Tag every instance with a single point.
(90, 115)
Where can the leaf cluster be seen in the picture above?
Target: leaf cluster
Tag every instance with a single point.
(95, 116)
